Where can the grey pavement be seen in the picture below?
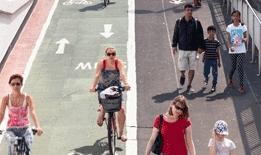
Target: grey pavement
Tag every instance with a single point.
(157, 80)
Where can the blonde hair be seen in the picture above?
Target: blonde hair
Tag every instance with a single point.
(183, 102)
(110, 49)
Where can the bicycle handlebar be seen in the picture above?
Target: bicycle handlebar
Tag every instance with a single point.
(120, 88)
(33, 130)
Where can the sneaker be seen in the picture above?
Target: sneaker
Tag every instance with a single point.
(213, 89)
(190, 90)
(182, 80)
(205, 83)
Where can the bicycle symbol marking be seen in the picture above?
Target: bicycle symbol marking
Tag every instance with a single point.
(77, 2)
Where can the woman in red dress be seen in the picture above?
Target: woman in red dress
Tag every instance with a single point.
(176, 130)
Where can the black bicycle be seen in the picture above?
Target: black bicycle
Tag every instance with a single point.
(20, 146)
(111, 102)
(106, 2)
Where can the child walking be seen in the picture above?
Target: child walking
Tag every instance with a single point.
(218, 144)
(211, 57)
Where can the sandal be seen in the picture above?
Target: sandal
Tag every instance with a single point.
(123, 138)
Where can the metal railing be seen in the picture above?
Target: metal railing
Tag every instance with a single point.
(253, 22)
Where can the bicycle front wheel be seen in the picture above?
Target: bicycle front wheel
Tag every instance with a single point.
(111, 133)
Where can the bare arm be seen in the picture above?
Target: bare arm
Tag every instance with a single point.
(123, 75)
(245, 39)
(232, 152)
(228, 41)
(189, 141)
(212, 148)
(2, 108)
(151, 141)
(97, 76)
(33, 115)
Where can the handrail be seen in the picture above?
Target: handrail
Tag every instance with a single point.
(253, 11)
(254, 36)
(9, 49)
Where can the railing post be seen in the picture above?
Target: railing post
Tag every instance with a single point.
(253, 41)
(228, 2)
(232, 2)
(259, 58)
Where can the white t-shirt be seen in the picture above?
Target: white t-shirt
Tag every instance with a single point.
(223, 147)
(236, 37)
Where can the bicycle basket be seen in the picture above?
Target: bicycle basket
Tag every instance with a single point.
(111, 104)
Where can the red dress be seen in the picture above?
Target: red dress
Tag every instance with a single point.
(173, 136)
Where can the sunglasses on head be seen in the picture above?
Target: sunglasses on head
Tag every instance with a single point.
(15, 84)
(179, 108)
(110, 54)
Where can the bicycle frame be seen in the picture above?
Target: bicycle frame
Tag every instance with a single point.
(20, 146)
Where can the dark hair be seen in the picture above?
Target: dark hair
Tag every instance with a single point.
(211, 28)
(183, 102)
(16, 76)
(236, 11)
(187, 6)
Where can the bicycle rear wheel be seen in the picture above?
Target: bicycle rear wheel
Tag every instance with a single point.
(111, 133)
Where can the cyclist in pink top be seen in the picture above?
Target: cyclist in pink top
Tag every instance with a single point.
(19, 106)
(176, 130)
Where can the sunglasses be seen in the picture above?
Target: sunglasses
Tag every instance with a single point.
(179, 108)
(15, 84)
(111, 54)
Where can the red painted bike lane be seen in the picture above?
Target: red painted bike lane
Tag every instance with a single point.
(19, 56)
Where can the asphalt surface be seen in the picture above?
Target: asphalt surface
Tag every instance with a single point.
(157, 83)
(59, 83)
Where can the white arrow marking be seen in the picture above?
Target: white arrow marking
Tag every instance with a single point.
(61, 46)
(177, 1)
(107, 31)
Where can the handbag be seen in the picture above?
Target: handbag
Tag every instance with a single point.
(157, 146)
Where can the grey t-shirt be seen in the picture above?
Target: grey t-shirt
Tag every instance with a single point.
(223, 147)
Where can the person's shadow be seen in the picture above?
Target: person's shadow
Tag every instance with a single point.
(98, 148)
(95, 7)
(160, 98)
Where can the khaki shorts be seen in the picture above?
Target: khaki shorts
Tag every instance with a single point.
(187, 60)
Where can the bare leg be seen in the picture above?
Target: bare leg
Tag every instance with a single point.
(190, 77)
(120, 121)
(101, 115)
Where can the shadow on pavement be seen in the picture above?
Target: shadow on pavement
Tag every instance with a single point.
(176, 9)
(98, 148)
(247, 108)
(95, 7)
(165, 96)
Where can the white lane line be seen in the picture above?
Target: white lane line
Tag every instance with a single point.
(172, 55)
(34, 53)
(131, 104)
(40, 40)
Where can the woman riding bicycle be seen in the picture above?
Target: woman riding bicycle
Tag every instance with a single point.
(110, 72)
(19, 106)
